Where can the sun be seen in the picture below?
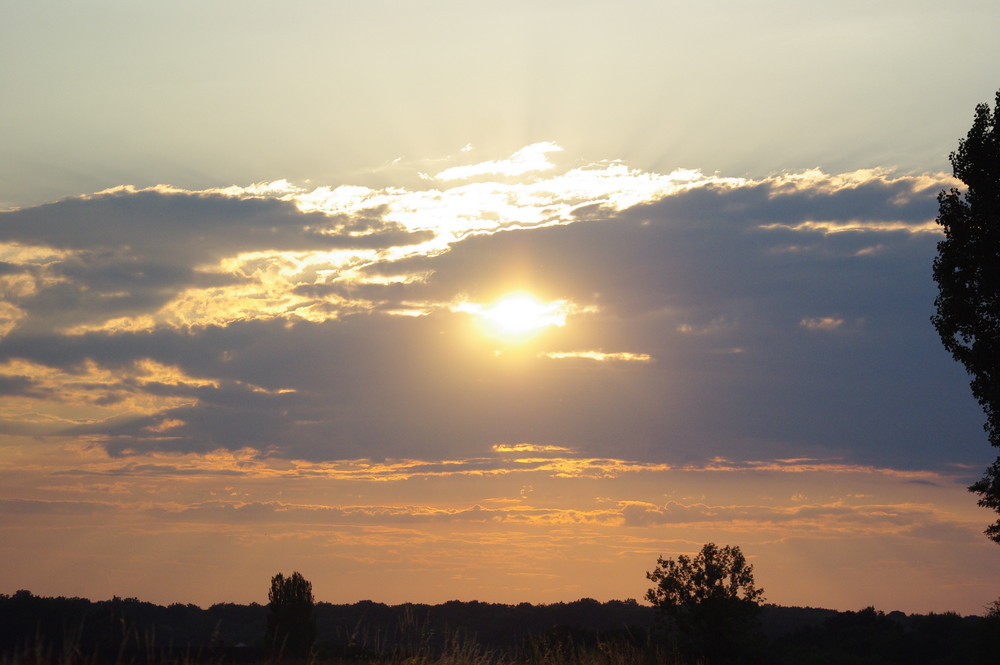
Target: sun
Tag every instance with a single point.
(517, 315)
(521, 314)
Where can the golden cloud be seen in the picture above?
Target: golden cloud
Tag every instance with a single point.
(600, 356)
(859, 226)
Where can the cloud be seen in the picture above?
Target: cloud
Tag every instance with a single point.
(526, 160)
(290, 515)
(624, 525)
(507, 461)
(835, 516)
(319, 325)
(527, 448)
(600, 356)
(839, 521)
(132, 259)
(851, 513)
(824, 323)
(19, 508)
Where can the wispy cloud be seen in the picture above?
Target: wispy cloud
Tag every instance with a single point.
(824, 323)
(528, 159)
(600, 356)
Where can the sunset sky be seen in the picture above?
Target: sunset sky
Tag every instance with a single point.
(434, 300)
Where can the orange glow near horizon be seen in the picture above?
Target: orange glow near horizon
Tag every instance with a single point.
(506, 509)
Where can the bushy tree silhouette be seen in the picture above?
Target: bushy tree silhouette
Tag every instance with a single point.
(711, 604)
(291, 622)
(967, 271)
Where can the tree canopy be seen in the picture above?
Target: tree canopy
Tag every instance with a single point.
(967, 271)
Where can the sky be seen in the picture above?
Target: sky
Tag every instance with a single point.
(434, 300)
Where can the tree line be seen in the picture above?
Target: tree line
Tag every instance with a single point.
(129, 630)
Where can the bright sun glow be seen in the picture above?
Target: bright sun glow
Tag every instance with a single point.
(518, 315)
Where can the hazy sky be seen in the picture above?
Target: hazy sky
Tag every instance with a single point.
(494, 301)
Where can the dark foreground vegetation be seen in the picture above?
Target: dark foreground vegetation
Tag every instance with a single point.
(76, 631)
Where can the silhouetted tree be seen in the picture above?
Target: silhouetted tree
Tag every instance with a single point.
(711, 603)
(967, 271)
(291, 623)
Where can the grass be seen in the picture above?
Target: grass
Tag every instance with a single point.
(456, 650)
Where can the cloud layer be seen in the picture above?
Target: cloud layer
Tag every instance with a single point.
(726, 315)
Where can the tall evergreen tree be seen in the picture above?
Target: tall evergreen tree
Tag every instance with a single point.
(967, 271)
